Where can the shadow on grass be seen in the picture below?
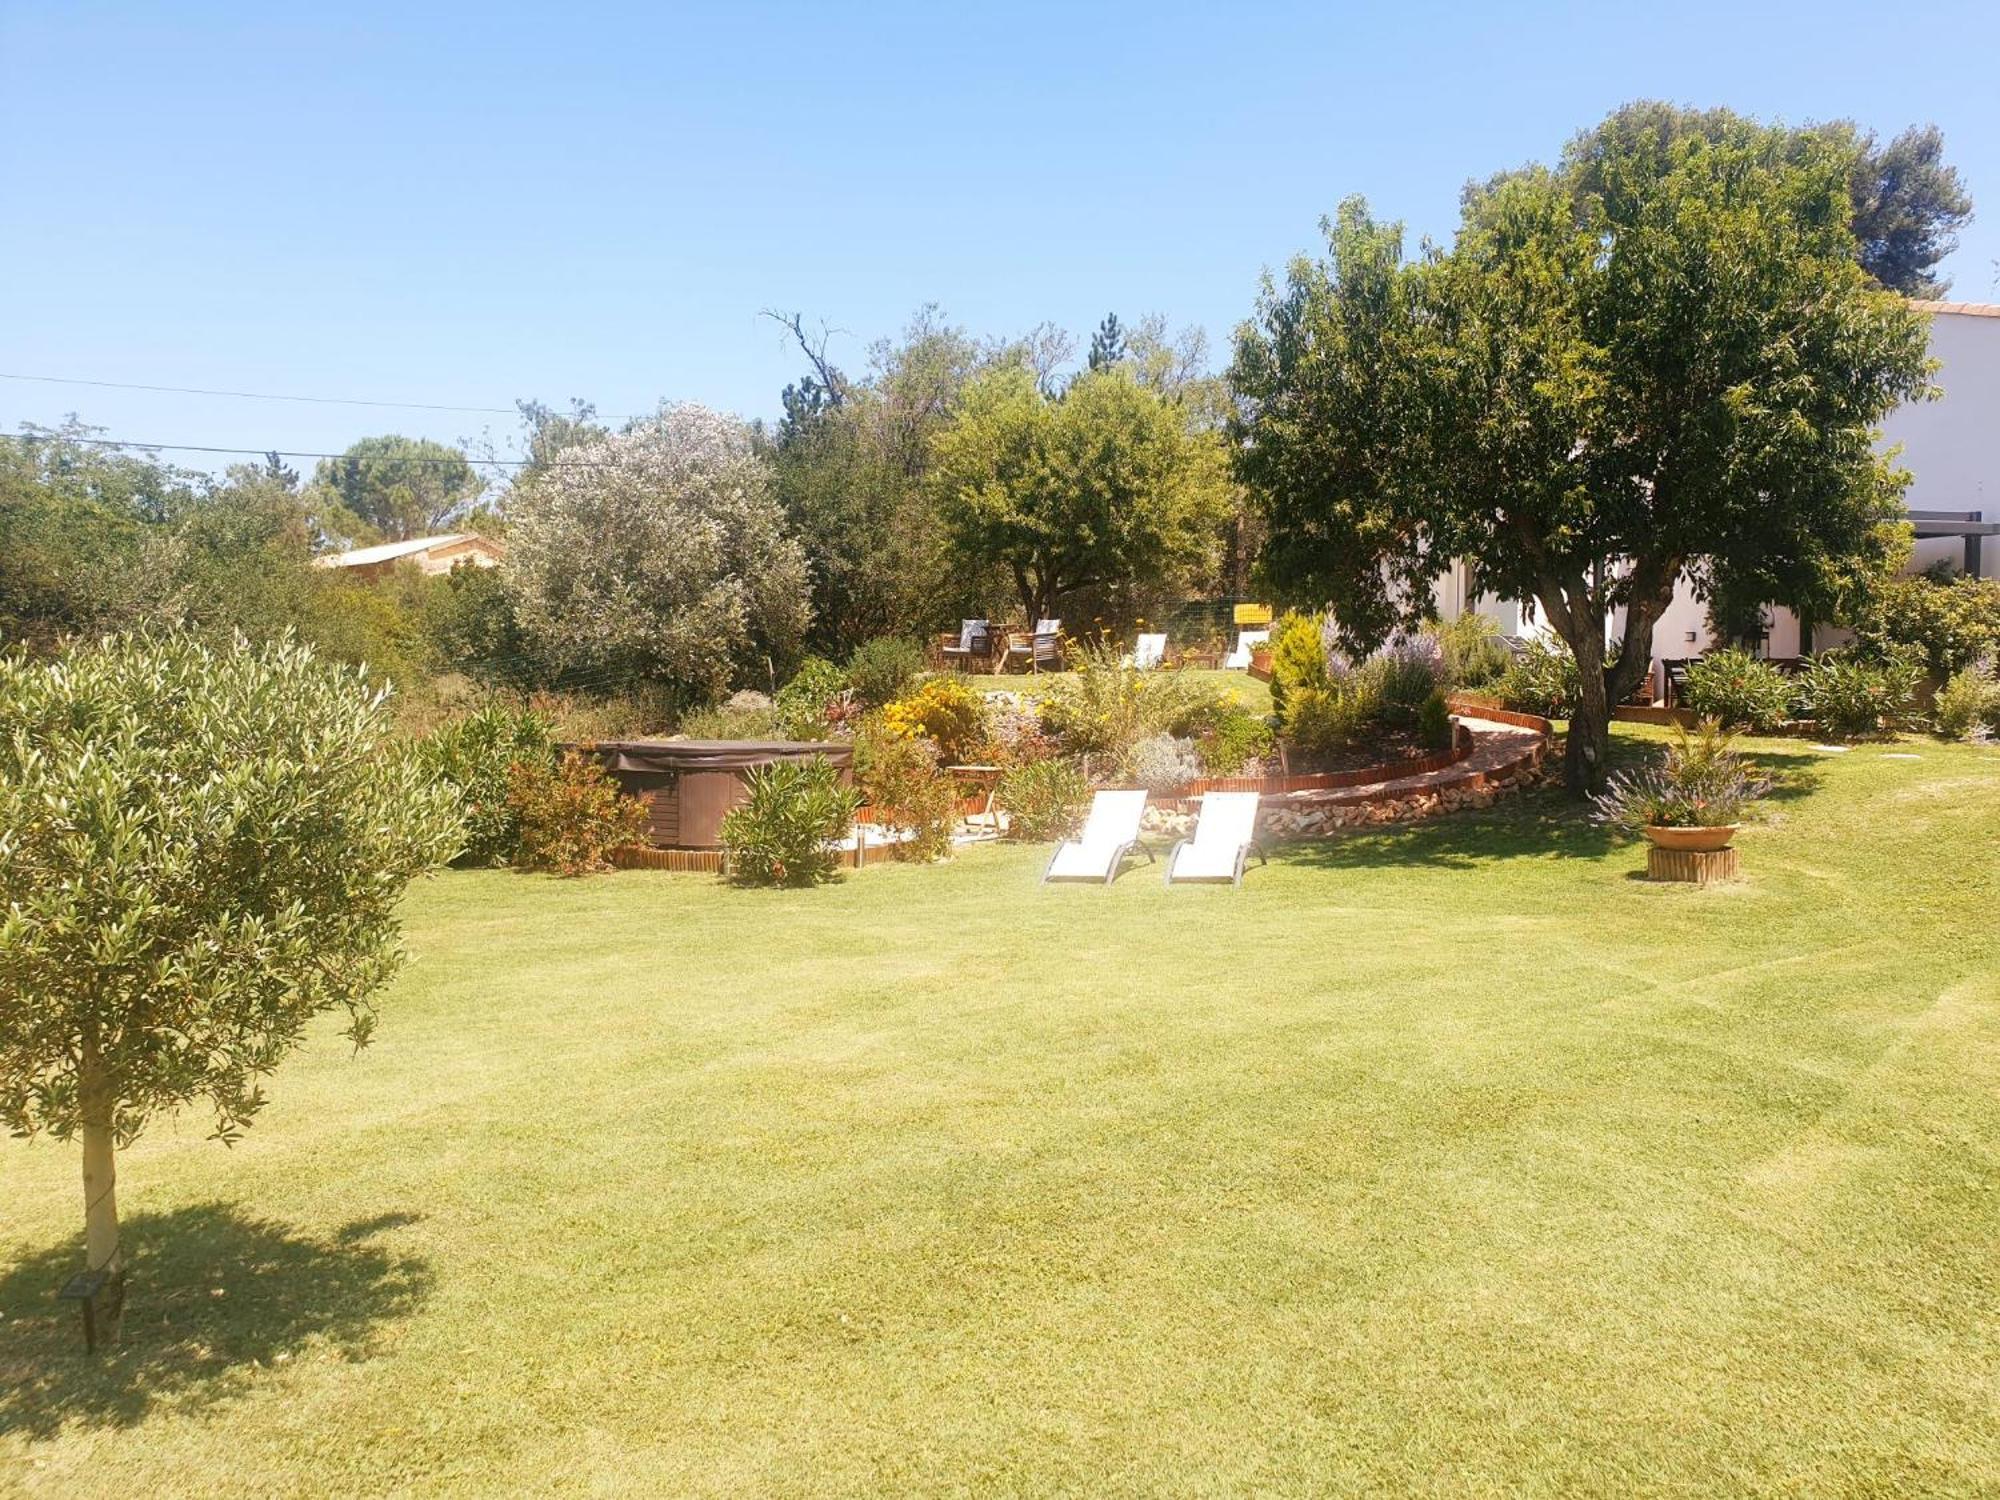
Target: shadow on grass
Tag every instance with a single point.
(209, 1294)
(1544, 823)
(1534, 825)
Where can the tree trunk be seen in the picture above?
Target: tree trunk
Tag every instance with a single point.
(1587, 752)
(100, 1193)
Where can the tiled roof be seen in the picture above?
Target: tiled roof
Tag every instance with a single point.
(1969, 309)
(361, 557)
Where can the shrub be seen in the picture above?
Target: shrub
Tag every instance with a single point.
(814, 701)
(726, 723)
(1161, 764)
(472, 756)
(1045, 799)
(1236, 739)
(1322, 720)
(1851, 697)
(946, 711)
(1967, 707)
(643, 708)
(1298, 656)
(570, 815)
(1014, 732)
(883, 670)
(1399, 678)
(1701, 783)
(1472, 652)
(1543, 680)
(902, 783)
(1103, 708)
(1948, 625)
(1736, 688)
(1434, 721)
(785, 830)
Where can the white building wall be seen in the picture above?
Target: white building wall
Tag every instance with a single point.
(1950, 446)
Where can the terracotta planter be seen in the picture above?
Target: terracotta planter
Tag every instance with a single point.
(1696, 840)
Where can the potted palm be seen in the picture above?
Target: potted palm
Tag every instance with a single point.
(1690, 802)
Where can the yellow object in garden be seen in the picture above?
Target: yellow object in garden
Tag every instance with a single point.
(1253, 614)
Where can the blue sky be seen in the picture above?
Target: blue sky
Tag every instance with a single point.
(468, 204)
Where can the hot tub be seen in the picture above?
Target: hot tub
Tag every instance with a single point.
(687, 785)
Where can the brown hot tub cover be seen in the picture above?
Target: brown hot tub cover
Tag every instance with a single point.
(689, 785)
(709, 755)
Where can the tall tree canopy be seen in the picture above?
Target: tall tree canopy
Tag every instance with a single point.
(1907, 204)
(659, 552)
(1662, 357)
(397, 487)
(1108, 488)
(851, 457)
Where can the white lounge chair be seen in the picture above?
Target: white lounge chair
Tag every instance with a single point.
(1225, 835)
(1150, 651)
(1246, 642)
(1109, 834)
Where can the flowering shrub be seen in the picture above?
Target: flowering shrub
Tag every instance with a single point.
(1701, 783)
(1738, 689)
(1400, 676)
(899, 778)
(1162, 764)
(1014, 731)
(1046, 799)
(571, 815)
(1850, 697)
(1103, 708)
(472, 756)
(785, 831)
(945, 711)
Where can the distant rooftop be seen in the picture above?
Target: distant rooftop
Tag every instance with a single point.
(1969, 309)
(361, 557)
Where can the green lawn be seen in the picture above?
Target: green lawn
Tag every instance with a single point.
(1452, 1159)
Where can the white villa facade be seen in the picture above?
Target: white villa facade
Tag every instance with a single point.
(1951, 448)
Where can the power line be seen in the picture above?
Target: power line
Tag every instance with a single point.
(195, 390)
(505, 463)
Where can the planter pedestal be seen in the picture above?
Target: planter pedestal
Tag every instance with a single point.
(1701, 866)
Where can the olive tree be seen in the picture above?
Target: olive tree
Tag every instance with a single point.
(1660, 359)
(201, 849)
(659, 552)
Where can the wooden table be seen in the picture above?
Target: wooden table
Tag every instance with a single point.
(987, 777)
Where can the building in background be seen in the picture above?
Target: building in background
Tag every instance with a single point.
(431, 554)
(1951, 447)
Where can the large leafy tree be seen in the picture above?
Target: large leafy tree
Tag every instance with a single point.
(201, 849)
(395, 488)
(1908, 204)
(1106, 489)
(1660, 359)
(850, 458)
(659, 553)
(80, 528)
